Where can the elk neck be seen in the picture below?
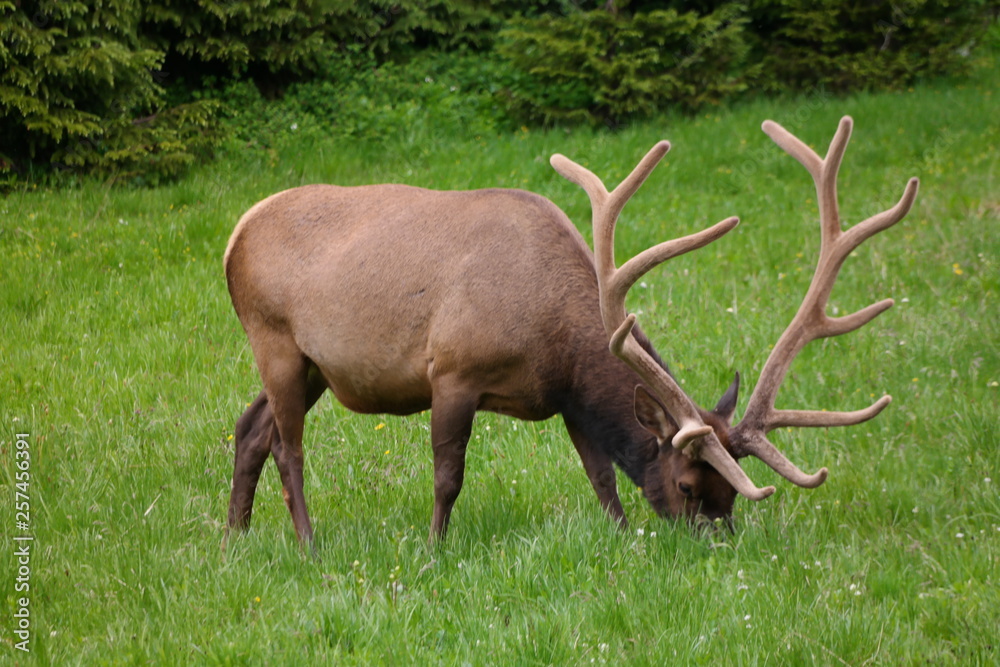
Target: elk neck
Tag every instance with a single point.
(601, 406)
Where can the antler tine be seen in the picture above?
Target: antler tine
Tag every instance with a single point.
(638, 266)
(694, 437)
(811, 321)
(863, 231)
(758, 445)
(808, 418)
(794, 147)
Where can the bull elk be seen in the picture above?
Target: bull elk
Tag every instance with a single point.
(399, 299)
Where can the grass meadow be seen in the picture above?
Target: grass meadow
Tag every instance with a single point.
(124, 364)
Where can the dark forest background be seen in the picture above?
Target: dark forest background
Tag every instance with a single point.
(143, 89)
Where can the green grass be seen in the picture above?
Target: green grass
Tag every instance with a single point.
(123, 360)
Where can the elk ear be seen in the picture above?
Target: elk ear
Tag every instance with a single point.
(653, 417)
(726, 407)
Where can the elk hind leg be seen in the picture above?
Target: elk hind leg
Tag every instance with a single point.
(286, 373)
(256, 434)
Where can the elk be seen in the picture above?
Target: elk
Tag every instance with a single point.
(400, 299)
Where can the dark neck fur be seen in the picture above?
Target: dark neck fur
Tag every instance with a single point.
(601, 407)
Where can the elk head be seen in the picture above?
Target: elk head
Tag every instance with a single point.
(696, 471)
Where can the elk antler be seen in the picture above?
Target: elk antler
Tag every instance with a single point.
(695, 438)
(811, 322)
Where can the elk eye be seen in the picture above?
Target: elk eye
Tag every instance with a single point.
(684, 488)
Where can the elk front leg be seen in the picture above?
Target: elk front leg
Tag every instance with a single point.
(601, 472)
(452, 414)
